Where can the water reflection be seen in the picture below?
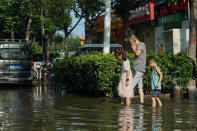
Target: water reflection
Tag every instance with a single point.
(140, 118)
(57, 88)
(156, 119)
(43, 108)
(126, 119)
(132, 119)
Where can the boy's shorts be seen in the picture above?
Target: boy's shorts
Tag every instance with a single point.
(156, 93)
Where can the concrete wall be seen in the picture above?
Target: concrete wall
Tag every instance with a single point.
(147, 35)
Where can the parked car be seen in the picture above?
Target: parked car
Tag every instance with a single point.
(16, 65)
(54, 60)
(97, 48)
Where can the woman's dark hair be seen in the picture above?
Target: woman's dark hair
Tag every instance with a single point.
(120, 51)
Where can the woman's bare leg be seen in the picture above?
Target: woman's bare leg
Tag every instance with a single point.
(122, 100)
(128, 101)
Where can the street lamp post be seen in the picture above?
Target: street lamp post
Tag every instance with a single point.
(107, 27)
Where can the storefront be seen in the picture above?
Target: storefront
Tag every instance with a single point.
(142, 22)
(172, 26)
(116, 30)
(168, 30)
(162, 25)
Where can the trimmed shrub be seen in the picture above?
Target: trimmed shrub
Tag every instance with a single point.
(99, 74)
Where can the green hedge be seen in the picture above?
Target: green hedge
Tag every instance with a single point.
(99, 74)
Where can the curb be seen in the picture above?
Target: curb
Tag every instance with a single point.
(163, 96)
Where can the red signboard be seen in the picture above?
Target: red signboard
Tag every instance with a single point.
(142, 13)
(175, 7)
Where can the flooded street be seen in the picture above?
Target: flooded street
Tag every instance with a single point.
(46, 109)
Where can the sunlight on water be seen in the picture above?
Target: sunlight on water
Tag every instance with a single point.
(48, 109)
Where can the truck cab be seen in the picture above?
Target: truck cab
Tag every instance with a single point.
(16, 65)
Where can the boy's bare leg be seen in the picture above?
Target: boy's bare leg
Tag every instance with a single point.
(153, 102)
(128, 101)
(159, 101)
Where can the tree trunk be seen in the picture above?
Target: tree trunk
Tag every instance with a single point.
(44, 48)
(192, 43)
(66, 46)
(87, 32)
(48, 47)
(66, 35)
(12, 33)
(123, 10)
(43, 34)
(126, 6)
(28, 28)
(126, 31)
(32, 41)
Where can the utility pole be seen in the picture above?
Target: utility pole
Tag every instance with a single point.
(107, 27)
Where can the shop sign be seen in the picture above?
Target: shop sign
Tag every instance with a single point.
(174, 7)
(142, 13)
(171, 19)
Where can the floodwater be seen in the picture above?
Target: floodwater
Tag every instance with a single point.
(46, 109)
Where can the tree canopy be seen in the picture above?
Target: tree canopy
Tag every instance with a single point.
(37, 21)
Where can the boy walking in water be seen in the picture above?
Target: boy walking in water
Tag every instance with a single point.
(139, 64)
(156, 82)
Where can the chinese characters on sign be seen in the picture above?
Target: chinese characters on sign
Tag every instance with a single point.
(142, 13)
(169, 19)
(175, 7)
(172, 13)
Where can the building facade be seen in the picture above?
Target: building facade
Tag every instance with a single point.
(162, 25)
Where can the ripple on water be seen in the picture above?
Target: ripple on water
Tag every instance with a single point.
(40, 111)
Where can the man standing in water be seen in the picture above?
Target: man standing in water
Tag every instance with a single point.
(139, 64)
